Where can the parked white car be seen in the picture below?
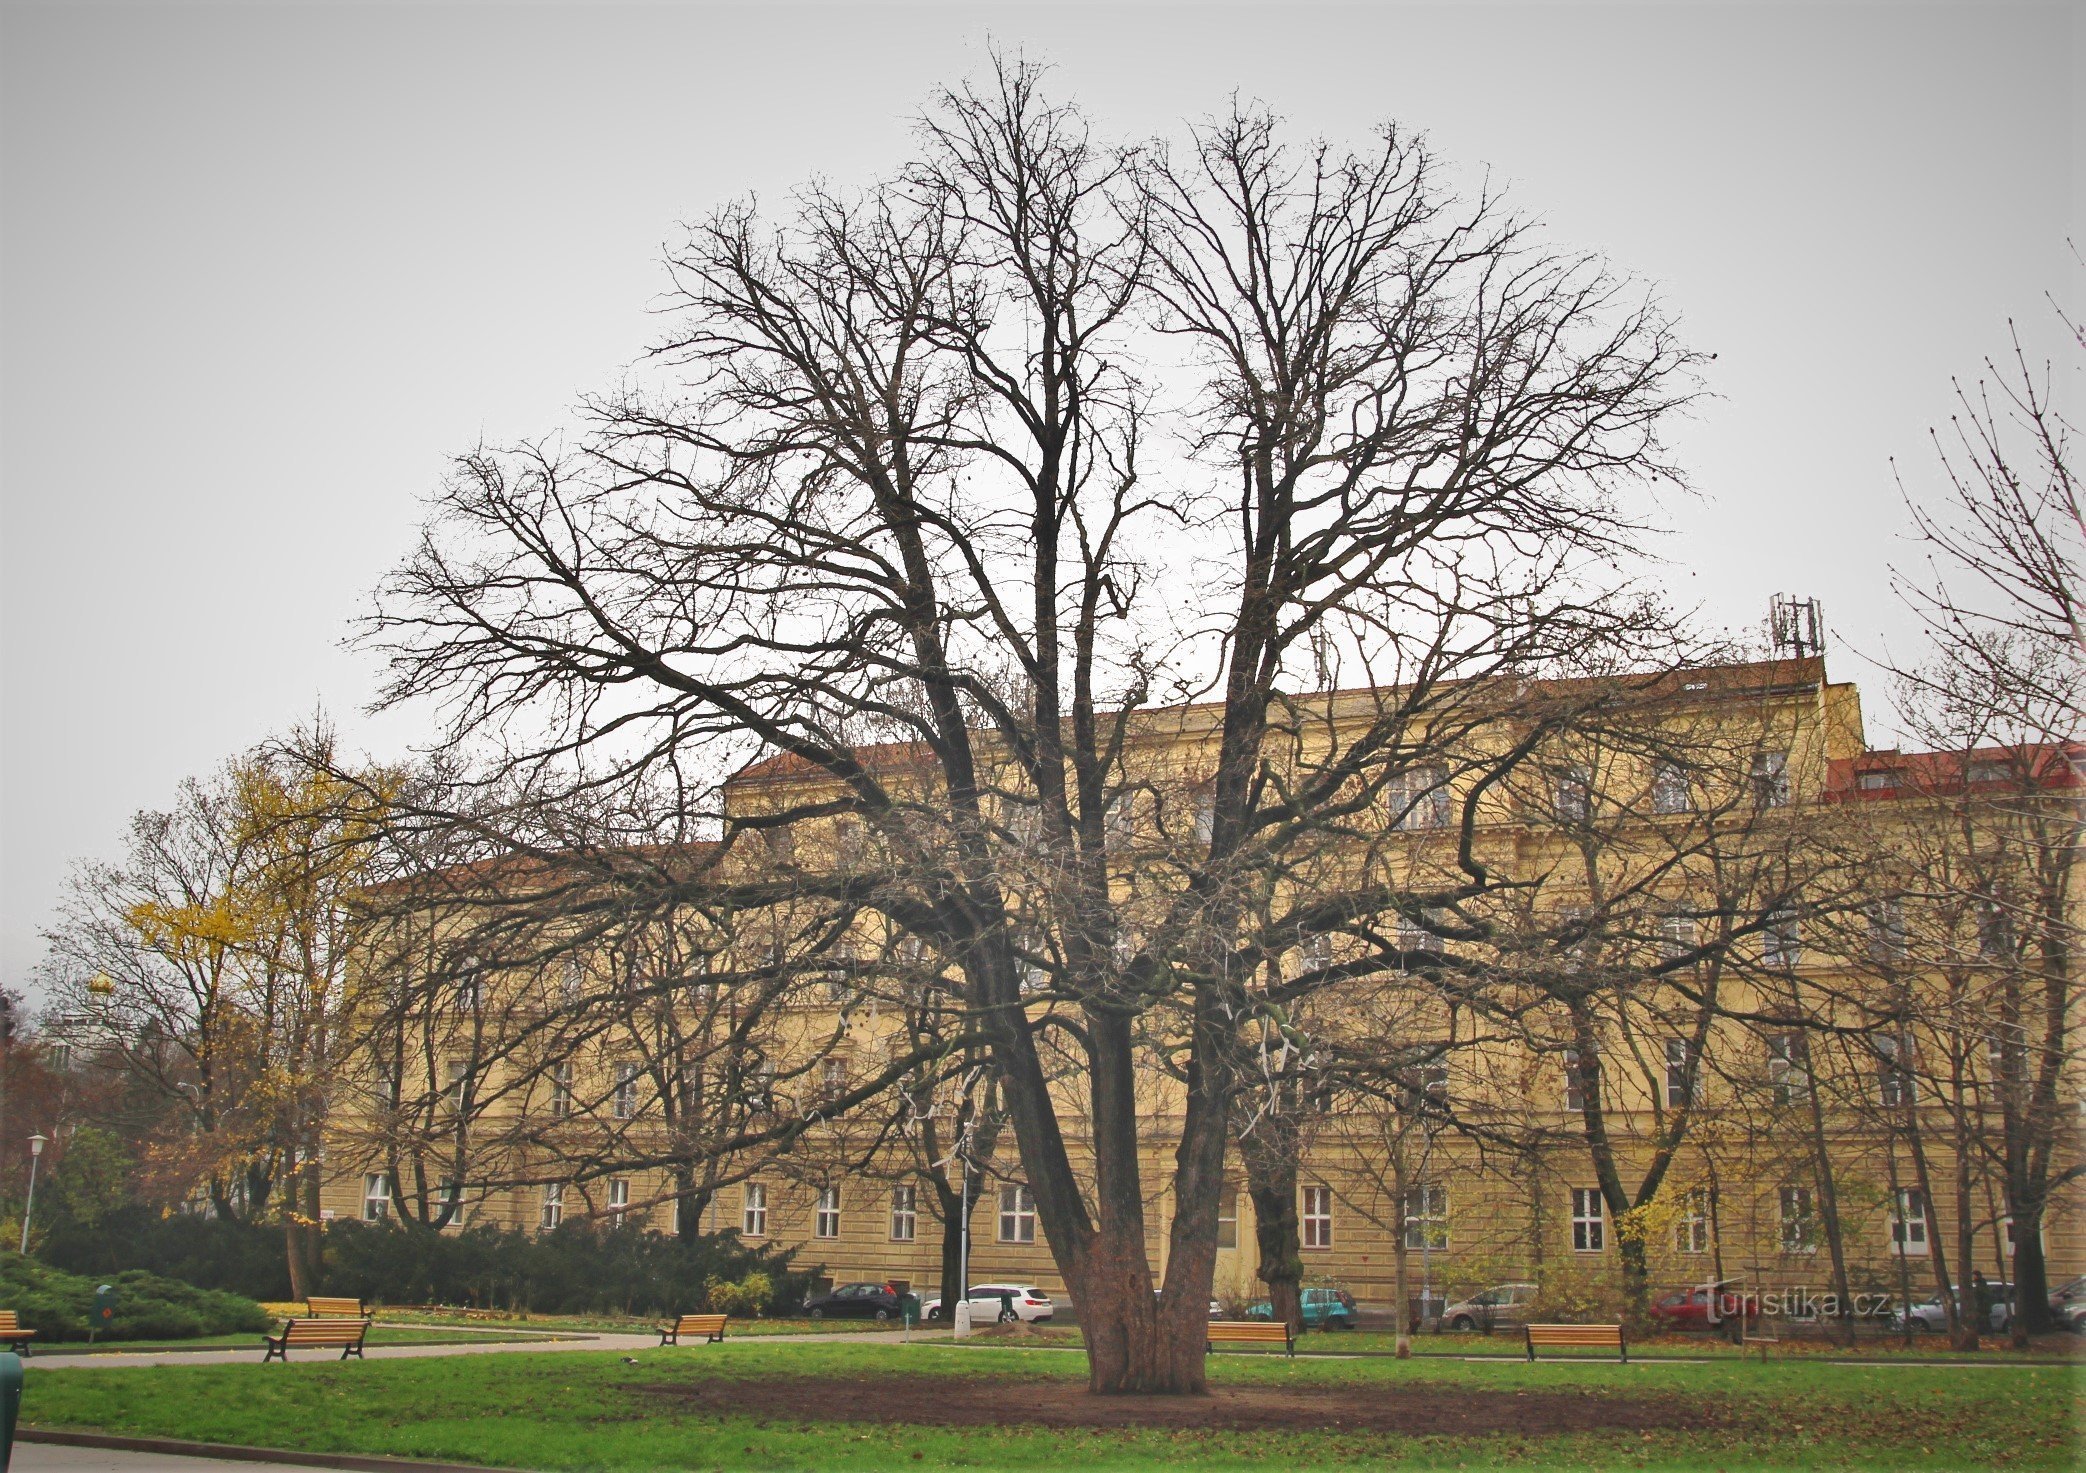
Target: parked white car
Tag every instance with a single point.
(990, 1302)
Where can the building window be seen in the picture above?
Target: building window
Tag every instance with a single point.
(1575, 793)
(625, 1103)
(1669, 788)
(1908, 1222)
(1017, 1215)
(826, 1223)
(470, 985)
(1895, 1085)
(1883, 780)
(1419, 798)
(1318, 1217)
(905, 1214)
(1989, 772)
(1228, 1217)
(376, 1196)
(449, 1198)
(1677, 939)
(1788, 1067)
(1781, 940)
(1691, 1228)
(561, 1090)
(553, 1204)
(459, 1086)
(571, 982)
(1574, 1083)
(1770, 777)
(1427, 1216)
(1589, 1221)
(753, 1217)
(832, 1078)
(618, 1201)
(1681, 1087)
(1886, 929)
(1799, 1225)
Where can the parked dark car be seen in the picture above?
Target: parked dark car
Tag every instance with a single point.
(854, 1301)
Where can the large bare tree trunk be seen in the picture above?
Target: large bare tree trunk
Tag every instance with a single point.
(1271, 1183)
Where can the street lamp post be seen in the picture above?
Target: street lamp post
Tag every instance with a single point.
(36, 1145)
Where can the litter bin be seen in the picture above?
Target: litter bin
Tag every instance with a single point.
(10, 1403)
(909, 1309)
(103, 1314)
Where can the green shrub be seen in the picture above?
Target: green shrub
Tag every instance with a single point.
(575, 1268)
(59, 1306)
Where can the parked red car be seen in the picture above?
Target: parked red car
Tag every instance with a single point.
(1688, 1309)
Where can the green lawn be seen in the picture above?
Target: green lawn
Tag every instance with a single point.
(694, 1408)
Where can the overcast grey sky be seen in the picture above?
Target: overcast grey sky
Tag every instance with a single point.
(262, 267)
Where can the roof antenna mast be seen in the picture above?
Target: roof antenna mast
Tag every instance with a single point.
(1796, 626)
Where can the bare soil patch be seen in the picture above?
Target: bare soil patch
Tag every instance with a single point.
(997, 1401)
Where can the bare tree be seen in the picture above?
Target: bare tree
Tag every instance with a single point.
(888, 514)
(2000, 695)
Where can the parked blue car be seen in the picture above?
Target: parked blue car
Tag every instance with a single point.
(1323, 1309)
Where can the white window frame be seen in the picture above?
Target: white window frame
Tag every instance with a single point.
(376, 1196)
(1017, 1215)
(451, 1190)
(1799, 1219)
(825, 1222)
(551, 1211)
(905, 1214)
(1574, 1093)
(1315, 1220)
(1574, 793)
(561, 1089)
(1896, 1085)
(1427, 1216)
(1670, 792)
(1782, 940)
(618, 1200)
(1683, 1080)
(1420, 799)
(456, 1085)
(1769, 777)
(1228, 1216)
(753, 1210)
(623, 1106)
(1909, 1223)
(1788, 1067)
(1589, 1220)
(1691, 1228)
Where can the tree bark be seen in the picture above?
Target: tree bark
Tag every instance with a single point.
(1271, 1183)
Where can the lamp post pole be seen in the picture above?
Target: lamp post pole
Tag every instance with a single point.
(36, 1144)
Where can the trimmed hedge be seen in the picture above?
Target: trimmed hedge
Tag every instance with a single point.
(572, 1269)
(213, 1253)
(58, 1305)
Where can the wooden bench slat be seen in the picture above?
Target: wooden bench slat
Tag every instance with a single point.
(12, 1333)
(1250, 1332)
(320, 1305)
(1595, 1337)
(347, 1334)
(709, 1326)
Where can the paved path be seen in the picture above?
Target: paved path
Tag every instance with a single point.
(251, 1354)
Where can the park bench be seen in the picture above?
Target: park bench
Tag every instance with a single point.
(1577, 1337)
(321, 1308)
(12, 1335)
(1251, 1332)
(347, 1334)
(709, 1326)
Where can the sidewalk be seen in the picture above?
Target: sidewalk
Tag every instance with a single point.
(251, 1354)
